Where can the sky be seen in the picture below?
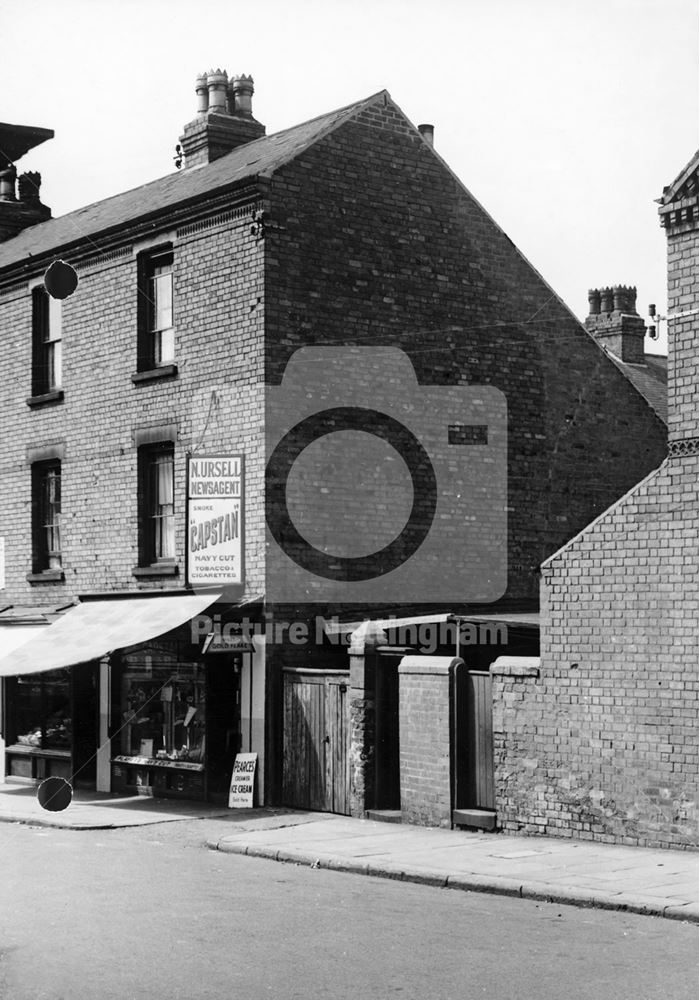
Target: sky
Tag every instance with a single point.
(564, 118)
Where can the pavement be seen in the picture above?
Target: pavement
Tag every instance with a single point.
(661, 883)
(99, 810)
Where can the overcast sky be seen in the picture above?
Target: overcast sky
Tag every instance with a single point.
(565, 119)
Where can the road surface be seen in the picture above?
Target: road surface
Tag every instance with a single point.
(149, 913)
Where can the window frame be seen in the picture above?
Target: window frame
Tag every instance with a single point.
(47, 345)
(150, 357)
(156, 555)
(47, 556)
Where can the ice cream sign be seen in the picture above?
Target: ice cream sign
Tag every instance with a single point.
(215, 520)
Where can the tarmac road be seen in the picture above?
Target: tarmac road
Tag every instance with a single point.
(149, 912)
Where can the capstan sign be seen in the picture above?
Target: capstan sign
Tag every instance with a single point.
(215, 520)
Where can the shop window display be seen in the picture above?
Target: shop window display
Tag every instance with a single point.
(42, 716)
(163, 713)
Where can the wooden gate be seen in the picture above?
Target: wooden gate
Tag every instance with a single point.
(474, 785)
(316, 740)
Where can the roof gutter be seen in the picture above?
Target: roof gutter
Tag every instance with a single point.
(249, 191)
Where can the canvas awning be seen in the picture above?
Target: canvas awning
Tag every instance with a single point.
(14, 636)
(94, 628)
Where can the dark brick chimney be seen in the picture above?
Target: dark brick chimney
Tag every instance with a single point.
(614, 322)
(224, 118)
(20, 204)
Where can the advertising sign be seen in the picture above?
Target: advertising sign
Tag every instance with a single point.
(215, 489)
(242, 781)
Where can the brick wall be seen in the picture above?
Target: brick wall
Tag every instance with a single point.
(373, 242)
(218, 318)
(683, 349)
(603, 745)
(376, 243)
(424, 710)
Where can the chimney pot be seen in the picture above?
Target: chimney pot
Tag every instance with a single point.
(7, 184)
(427, 132)
(593, 297)
(202, 90)
(606, 300)
(217, 83)
(241, 89)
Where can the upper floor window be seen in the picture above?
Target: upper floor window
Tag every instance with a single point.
(47, 369)
(46, 510)
(157, 504)
(156, 335)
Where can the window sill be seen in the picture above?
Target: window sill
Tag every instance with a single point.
(47, 576)
(157, 569)
(55, 396)
(153, 374)
(32, 751)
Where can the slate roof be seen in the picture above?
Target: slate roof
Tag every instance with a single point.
(261, 156)
(672, 190)
(650, 379)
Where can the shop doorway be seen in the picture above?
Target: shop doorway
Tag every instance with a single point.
(223, 727)
(85, 711)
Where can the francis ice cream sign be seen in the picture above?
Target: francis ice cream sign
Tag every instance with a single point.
(215, 520)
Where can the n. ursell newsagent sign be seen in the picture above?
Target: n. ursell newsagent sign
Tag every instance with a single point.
(215, 520)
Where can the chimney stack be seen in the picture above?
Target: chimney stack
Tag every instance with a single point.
(224, 118)
(614, 322)
(20, 204)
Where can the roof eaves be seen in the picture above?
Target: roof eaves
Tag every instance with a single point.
(133, 228)
(671, 190)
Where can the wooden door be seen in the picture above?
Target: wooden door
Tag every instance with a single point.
(473, 757)
(316, 740)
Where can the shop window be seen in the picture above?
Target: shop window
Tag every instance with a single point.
(156, 334)
(157, 506)
(41, 712)
(46, 516)
(163, 713)
(47, 367)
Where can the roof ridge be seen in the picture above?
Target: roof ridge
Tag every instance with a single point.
(248, 145)
(354, 106)
(258, 158)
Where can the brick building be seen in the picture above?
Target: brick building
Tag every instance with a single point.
(599, 740)
(194, 294)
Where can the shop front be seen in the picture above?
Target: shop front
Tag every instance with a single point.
(176, 721)
(155, 710)
(50, 725)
